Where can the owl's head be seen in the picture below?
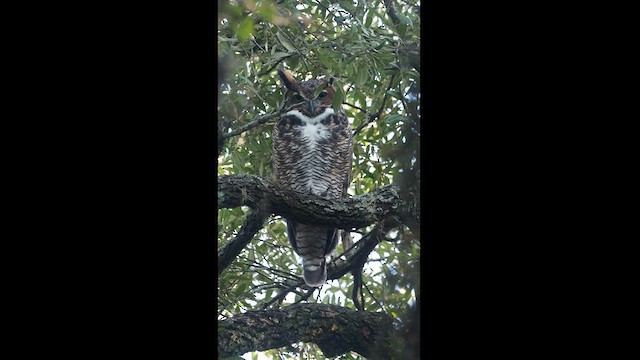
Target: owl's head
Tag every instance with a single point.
(314, 96)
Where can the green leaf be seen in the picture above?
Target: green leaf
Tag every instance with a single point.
(406, 20)
(338, 99)
(279, 55)
(242, 287)
(245, 29)
(359, 97)
(394, 119)
(402, 29)
(395, 94)
(293, 61)
(285, 42)
(266, 11)
(368, 18)
(362, 76)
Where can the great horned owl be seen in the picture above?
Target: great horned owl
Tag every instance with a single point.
(312, 150)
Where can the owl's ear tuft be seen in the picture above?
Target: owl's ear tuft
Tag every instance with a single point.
(287, 79)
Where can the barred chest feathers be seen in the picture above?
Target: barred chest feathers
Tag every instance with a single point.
(313, 168)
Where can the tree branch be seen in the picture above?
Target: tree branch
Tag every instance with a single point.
(391, 11)
(336, 330)
(275, 65)
(355, 107)
(257, 121)
(362, 249)
(356, 212)
(220, 135)
(253, 222)
(280, 297)
(379, 113)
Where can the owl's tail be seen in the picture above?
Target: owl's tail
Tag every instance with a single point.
(315, 274)
(313, 244)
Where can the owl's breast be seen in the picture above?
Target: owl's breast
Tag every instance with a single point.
(306, 152)
(314, 134)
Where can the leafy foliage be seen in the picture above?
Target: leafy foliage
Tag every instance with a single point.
(373, 54)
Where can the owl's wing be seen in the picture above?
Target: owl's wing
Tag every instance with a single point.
(348, 164)
(291, 234)
(345, 143)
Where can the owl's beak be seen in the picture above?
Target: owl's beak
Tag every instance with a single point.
(312, 105)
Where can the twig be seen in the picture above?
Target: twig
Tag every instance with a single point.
(355, 107)
(275, 270)
(272, 67)
(282, 295)
(293, 43)
(304, 297)
(379, 113)
(364, 247)
(258, 121)
(334, 14)
(374, 299)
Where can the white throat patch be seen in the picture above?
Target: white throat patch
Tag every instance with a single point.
(314, 130)
(308, 120)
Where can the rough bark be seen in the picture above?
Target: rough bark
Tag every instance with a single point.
(356, 212)
(335, 329)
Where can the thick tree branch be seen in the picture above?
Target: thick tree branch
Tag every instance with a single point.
(335, 329)
(356, 212)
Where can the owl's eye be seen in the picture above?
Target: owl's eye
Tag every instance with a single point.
(297, 97)
(323, 94)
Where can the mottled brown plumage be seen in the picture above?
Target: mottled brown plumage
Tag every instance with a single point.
(312, 150)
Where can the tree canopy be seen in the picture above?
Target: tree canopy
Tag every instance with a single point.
(372, 50)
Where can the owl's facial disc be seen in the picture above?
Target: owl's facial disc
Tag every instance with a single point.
(297, 98)
(318, 104)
